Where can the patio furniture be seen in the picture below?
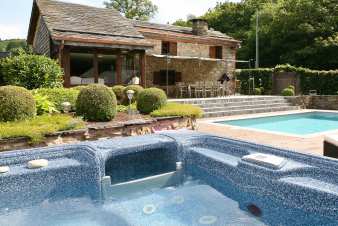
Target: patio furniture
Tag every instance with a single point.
(183, 90)
(197, 89)
(208, 89)
(331, 146)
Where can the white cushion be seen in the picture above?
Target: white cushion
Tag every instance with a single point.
(87, 81)
(271, 161)
(332, 139)
(4, 169)
(101, 81)
(38, 163)
(75, 80)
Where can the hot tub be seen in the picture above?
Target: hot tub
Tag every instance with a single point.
(170, 179)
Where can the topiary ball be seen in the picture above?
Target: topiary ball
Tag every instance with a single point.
(288, 92)
(150, 100)
(17, 103)
(136, 88)
(96, 103)
(119, 93)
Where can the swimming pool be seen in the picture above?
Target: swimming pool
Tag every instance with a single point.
(173, 179)
(297, 124)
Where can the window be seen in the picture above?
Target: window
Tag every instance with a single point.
(169, 48)
(107, 68)
(130, 67)
(81, 68)
(160, 77)
(216, 52)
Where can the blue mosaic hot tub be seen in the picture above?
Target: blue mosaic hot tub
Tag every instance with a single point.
(171, 179)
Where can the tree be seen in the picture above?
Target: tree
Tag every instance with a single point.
(299, 32)
(134, 9)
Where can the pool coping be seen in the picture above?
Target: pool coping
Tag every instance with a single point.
(216, 122)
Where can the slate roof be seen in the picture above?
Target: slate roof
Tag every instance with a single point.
(81, 22)
(179, 29)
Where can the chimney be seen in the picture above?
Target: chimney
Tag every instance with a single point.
(199, 27)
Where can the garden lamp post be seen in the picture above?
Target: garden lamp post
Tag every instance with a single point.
(130, 95)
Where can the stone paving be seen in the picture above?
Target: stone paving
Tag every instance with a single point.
(310, 145)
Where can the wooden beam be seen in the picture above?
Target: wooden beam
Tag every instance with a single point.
(143, 68)
(65, 59)
(96, 68)
(119, 69)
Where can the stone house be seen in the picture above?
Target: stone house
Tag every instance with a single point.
(98, 45)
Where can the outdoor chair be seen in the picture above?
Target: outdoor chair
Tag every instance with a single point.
(199, 89)
(182, 90)
(208, 89)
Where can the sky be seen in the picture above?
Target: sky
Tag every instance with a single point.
(15, 14)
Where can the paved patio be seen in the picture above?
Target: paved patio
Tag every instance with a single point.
(309, 145)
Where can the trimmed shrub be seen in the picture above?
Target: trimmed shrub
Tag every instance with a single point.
(136, 88)
(31, 71)
(150, 100)
(257, 91)
(59, 95)
(17, 103)
(288, 92)
(174, 109)
(119, 93)
(96, 103)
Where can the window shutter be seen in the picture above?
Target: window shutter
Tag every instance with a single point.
(212, 52)
(157, 78)
(178, 77)
(173, 48)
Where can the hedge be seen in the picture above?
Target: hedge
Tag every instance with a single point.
(325, 82)
(262, 74)
(31, 71)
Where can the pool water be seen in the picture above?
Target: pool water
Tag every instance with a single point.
(191, 203)
(297, 124)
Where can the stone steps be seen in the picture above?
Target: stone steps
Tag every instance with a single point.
(248, 111)
(238, 105)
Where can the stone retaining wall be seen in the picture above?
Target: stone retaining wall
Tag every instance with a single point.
(131, 128)
(329, 102)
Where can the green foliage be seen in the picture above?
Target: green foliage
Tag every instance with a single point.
(288, 92)
(136, 88)
(150, 100)
(119, 93)
(43, 105)
(31, 71)
(257, 91)
(17, 103)
(96, 103)
(283, 24)
(59, 95)
(136, 9)
(124, 108)
(174, 109)
(11, 44)
(261, 75)
(37, 127)
(182, 23)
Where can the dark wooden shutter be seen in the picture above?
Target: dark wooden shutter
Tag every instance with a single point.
(219, 52)
(157, 78)
(173, 48)
(212, 52)
(178, 77)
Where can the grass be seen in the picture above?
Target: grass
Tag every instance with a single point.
(37, 127)
(174, 109)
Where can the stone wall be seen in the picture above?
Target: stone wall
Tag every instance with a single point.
(192, 70)
(315, 102)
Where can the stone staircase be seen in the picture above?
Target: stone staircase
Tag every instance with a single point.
(239, 105)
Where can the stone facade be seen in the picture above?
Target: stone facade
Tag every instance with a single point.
(192, 70)
(329, 102)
